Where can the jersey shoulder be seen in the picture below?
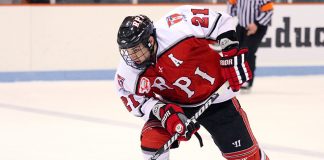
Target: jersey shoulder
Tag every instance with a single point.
(176, 26)
(189, 21)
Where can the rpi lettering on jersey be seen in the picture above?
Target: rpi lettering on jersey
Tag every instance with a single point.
(159, 83)
(183, 82)
(186, 83)
(205, 76)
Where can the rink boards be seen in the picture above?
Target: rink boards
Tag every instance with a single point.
(79, 42)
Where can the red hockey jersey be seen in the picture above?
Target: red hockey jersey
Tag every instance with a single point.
(187, 71)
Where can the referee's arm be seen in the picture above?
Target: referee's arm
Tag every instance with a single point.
(266, 11)
(232, 8)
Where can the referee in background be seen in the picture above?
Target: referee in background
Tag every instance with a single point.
(254, 17)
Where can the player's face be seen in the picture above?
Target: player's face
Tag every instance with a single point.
(138, 54)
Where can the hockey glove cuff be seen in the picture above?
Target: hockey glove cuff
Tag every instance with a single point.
(235, 67)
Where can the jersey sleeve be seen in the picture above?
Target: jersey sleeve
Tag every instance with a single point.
(139, 106)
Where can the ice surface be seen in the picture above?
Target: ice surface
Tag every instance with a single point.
(85, 120)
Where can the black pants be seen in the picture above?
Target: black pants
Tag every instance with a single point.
(252, 42)
(227, 123)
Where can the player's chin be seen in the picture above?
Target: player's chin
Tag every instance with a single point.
(138, 62)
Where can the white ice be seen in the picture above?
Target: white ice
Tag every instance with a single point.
(85, 120)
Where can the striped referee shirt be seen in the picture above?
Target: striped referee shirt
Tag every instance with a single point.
(251, 11)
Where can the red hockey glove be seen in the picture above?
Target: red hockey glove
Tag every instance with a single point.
(235, 67)
(174, 120)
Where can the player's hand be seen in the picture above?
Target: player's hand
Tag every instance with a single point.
(235, 67)
(174, 121)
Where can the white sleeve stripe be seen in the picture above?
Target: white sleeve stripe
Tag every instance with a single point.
(235, 61)
(244, 68)
(242, 59)
(245, 72)
(238, 74)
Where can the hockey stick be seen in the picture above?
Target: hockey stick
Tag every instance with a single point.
(194, 118)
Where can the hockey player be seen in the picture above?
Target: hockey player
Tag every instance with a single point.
(170, 68)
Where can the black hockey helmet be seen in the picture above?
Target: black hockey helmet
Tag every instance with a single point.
(133, 31)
